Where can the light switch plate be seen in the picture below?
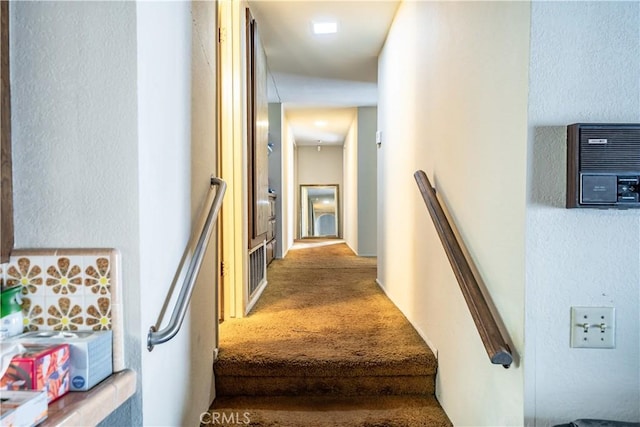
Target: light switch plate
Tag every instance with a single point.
(593, 327)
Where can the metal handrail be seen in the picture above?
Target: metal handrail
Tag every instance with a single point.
(194, 256)
(494, 342)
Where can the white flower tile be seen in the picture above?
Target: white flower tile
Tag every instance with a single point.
(64, 276)
(98, 315)
(84, 291)
(34, 312)
(26, 271)
(65, 313)
(97, 275)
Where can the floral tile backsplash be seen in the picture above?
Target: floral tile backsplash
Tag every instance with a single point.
(67, 289)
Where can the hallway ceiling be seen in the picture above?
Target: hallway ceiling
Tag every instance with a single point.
(322, 77)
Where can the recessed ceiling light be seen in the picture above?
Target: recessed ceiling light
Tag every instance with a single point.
(320, 123)
(325, 27)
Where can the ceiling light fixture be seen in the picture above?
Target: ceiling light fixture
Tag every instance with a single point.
(325, 27)
(320, 123)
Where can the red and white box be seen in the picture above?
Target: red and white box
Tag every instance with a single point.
(39, 367)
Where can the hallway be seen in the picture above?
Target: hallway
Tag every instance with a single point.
(117, 114)
(325, 346)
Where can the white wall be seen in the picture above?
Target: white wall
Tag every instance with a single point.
(461, 115)
(176, 90)
(585, 63)
(289, 188)
(109, 151)
(360, 175)
(321, 167)
(276, 173)
(367, 181)
(350, 177)
(74, 114)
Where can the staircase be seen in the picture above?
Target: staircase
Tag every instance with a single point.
(324, 347)
(327, 395)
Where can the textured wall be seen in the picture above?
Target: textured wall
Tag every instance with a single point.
(74, 136)
(111, 151)
(453, 101)
(176, 87)
(585, 63)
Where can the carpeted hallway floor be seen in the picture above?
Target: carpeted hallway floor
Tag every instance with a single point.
(324, 347)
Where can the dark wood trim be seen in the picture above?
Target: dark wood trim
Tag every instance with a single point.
(6, 179)
(250, 55)
(573, 160)
(257, 232)
(492, 338)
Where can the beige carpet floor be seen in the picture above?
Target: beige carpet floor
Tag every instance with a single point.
(325, 345)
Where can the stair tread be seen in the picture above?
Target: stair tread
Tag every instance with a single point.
(320, 411)
(421, 364)
(345, 386)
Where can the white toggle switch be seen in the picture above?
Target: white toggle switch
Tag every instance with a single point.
(593, 327)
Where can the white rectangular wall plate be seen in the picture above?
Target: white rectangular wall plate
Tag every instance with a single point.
(593, 327)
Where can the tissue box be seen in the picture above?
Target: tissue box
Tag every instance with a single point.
(40, 367)
(23, 408)
(91, 354)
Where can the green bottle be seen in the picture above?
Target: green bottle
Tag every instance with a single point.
(11, 319)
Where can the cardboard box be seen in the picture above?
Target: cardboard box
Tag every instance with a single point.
(23, 408)
(40, 367)
(91, 354)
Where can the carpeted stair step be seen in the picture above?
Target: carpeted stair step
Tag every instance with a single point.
(328, 411)
(414, 375)
(418, 362)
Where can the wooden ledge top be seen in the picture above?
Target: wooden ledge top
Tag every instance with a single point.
(88, 408)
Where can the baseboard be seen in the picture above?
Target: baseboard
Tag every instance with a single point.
(420, 332)
(359, 254)
(352, 250)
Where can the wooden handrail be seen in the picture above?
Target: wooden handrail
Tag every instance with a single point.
(492, 338)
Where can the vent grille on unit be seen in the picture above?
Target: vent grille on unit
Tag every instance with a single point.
(257, 269)
(620, 153)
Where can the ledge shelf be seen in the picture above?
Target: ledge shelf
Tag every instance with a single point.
(88, 408)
